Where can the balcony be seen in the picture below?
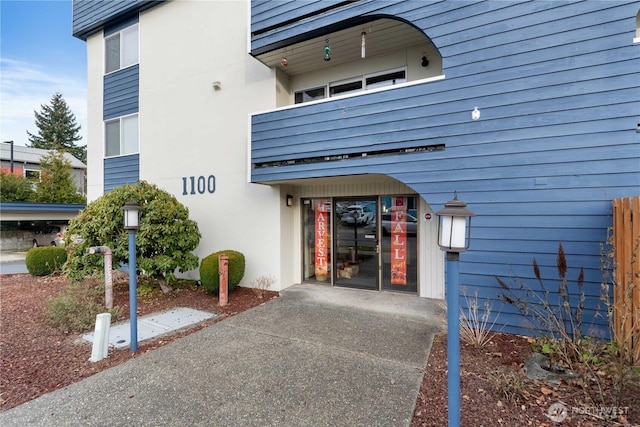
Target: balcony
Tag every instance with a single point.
(343, 95)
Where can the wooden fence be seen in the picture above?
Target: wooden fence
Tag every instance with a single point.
(626, 286)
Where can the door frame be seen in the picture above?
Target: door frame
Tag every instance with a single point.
(357, 270)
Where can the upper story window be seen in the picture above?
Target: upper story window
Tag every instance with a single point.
(121, 136)
(345, 87)
(312, 94)
(121, 49)
(385, 79)
(32, 174)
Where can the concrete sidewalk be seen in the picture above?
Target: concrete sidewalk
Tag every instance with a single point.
(315, 356)
(13, 262)
(11, 256)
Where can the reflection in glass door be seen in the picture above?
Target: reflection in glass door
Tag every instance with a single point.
(399, 226)
(356, 243)
(365, 243)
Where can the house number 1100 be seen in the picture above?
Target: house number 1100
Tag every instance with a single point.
(199, 185)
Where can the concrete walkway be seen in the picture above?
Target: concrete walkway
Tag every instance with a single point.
(12, 262)
(315, 356)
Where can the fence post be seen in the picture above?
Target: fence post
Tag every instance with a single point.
(223, 270)
(626, 293)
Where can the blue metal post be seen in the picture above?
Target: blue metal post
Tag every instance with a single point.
(133, 285)
(453, 338)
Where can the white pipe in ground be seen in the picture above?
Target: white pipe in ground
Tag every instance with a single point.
(100, 348)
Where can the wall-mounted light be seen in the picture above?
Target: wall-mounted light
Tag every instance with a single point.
(289, 200)
(363, 49)
(284, 62)
(327, 51)
(475, 114)
(425, 61)
(217, 85)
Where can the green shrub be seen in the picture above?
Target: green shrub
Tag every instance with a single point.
(75, 309)
(209, 272)
(45, 260)
(164, 242)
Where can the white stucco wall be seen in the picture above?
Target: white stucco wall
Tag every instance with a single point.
(191, 128)
(95, 134)
(188, 128)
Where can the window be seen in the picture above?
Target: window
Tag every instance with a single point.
(32, 174)
(121, 136)
(385, 79)
(121, 49)
(345, 87)
(310, 94)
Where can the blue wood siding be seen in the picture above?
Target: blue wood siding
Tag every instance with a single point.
(121, 170)
(266, 14)
(121, 92)
(557, 85)
(120, 25)
(90, 16)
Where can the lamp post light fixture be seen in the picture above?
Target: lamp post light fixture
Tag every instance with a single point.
(454, 232)
(11, 155)
(131, 223)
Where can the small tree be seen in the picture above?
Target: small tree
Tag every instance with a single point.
(56, 183)
(58, 129)
(165, 239)
(15, 188)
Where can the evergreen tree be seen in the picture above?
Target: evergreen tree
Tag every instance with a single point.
(56, 183)
(57, 129)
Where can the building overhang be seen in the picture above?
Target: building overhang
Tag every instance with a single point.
(305, 52)
(23, 211)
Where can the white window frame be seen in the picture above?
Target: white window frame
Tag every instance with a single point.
(322, 86)
(362, 79)
(36, 171)
(345, 82)
(121, 139)
(382, 73)
(122, 34)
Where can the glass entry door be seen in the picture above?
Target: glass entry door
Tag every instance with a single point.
(399, 243)
(356, 243)
(362, 242)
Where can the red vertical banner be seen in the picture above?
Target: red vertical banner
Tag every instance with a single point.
(399, 241)
(322, 238)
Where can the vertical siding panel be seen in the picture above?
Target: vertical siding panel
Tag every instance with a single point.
(121, 92)
(121, 170)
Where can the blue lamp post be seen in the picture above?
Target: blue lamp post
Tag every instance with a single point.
(131, 223)
(453, 237)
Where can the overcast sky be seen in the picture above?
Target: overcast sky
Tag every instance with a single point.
(38, 57)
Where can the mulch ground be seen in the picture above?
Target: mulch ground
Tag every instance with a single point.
(36, 358)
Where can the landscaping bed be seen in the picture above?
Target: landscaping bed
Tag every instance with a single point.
(37, 358)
